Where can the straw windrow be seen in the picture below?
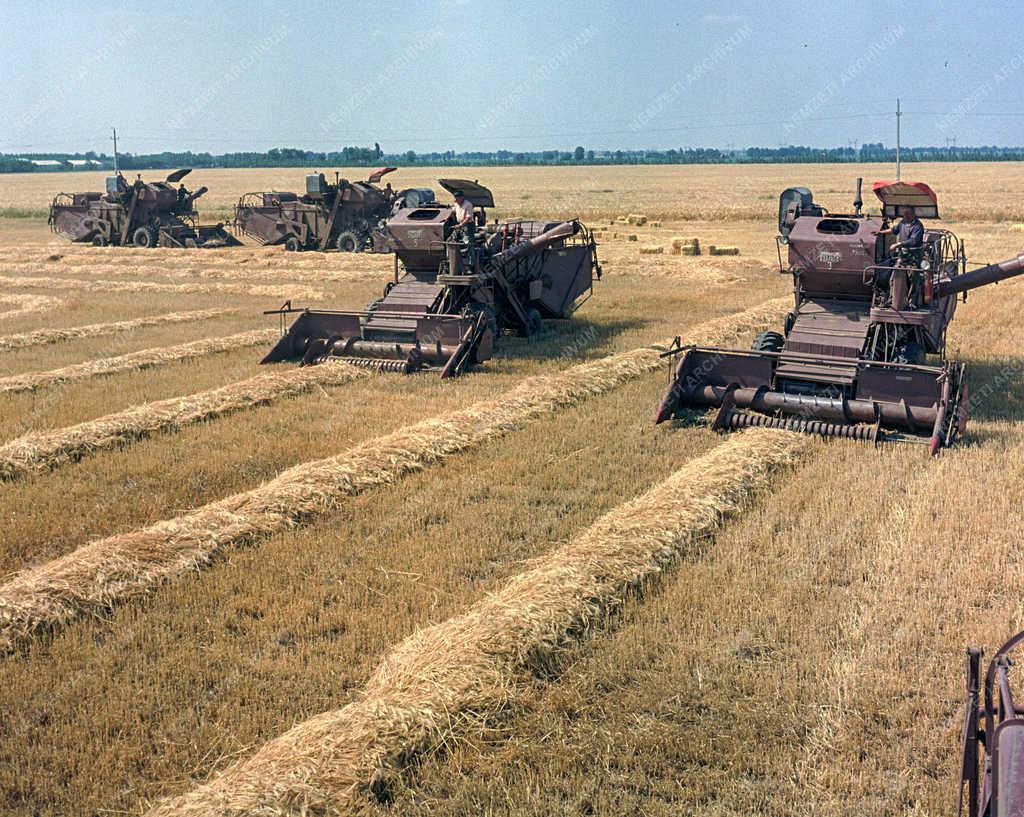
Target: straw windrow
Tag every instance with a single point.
(443, 680)
(42, 450)
(134, 360)
(97, 575)
(267, 290)
(26, 304)
(40, 337)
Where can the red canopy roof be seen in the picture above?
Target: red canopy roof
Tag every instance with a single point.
(896, 194)
(378, 173)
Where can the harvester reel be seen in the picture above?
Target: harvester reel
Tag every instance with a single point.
(348, 241)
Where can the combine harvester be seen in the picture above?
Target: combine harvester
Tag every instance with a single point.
(455, 290)
(141, 214)
(993, 738)
(341, 216)
(853, 360)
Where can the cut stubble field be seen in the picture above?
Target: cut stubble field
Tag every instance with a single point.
(804, 653)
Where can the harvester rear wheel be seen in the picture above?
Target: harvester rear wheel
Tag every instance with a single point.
(348, 241)
(144, 237)
(292, 244)
(768, 342)
(99, 241)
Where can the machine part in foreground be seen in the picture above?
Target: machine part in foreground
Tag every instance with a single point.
(457, 292)
(992, 743)
(341, 216)
(141, 214)
(862, 354)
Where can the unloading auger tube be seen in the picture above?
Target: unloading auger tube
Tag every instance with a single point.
(992, 740)
(413, 327)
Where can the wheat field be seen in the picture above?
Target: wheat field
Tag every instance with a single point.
(802, 653)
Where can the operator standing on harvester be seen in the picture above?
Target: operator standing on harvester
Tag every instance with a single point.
(909, 235)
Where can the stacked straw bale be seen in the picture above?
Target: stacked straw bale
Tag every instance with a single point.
(444, 680)
(722, 250)
(685, 246)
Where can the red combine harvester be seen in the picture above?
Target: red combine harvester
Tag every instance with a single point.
(340, 216)
(863, 353)
(140, 214)
(993, 738)
(455, 290)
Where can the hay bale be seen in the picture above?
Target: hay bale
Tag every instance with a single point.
(722, 250)
(632, 237)
(97, 575)
(636, 219)
(1017, 228)
(445, 681)
(655, 223)
(679, 241)
(651, 250)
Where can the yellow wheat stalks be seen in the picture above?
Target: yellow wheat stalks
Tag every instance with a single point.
(41, 450)
(265, 290)
(97, 575)
(143, 359)
(40, 337)
(441, 681)
(282, 268)
(27, 304)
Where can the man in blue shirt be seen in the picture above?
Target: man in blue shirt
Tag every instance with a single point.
(909, 232)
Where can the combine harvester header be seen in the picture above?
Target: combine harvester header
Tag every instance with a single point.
(863, 353)
(456, 289)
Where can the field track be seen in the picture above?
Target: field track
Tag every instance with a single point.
(43, 450)
(444, 679)
(39, 337)
(97, 575)
(142, 359)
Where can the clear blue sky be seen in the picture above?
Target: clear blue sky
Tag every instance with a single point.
(460, 75)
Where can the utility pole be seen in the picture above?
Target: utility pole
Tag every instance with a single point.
(898, 115)
(115, 150)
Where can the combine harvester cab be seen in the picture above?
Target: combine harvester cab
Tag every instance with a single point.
(992, 743)
(454, 290)
(862, 354)
(341, 216)
(141, 214)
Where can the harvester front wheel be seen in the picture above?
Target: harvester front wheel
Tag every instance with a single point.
(768, 342)
(348, 241)
(144, 238)
(292, 244)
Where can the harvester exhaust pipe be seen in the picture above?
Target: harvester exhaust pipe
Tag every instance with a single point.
(858, 202)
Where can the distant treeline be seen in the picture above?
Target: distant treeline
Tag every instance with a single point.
(371, 157)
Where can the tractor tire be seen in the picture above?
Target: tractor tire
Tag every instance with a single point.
(533, 323)
(99, 240)
(768, 342)
(144, 237)
(348, 241)
(292, 244)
